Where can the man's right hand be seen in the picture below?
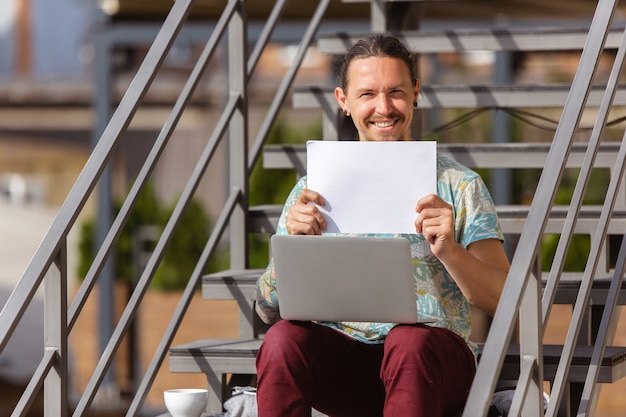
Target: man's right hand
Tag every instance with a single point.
(304, 218)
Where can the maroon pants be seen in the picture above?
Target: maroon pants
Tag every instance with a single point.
(419, 371)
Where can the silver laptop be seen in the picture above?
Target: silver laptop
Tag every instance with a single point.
(339, 278)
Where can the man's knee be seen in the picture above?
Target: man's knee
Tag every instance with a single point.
(412, 338)
(285, 338)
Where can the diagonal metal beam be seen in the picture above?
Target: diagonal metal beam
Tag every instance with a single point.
(521, 266)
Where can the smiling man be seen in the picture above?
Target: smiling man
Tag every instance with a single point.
(372, 369)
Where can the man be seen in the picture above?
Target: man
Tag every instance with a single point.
(374, 369)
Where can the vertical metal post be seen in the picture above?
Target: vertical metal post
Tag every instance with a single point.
(432, 118)
(501, 129)
(238, 135)
(378, 16)
(104, 218)
(531, 340)
(386, 16)
(55, 335)
(143, 240)
(501, 178)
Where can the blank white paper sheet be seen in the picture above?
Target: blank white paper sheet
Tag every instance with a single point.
(371, 187)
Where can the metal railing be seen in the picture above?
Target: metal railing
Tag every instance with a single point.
(49, 264)
(522, 297)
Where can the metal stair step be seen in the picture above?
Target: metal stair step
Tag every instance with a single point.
(612, 368)
(529, 39)
(239, 356)
(230, 284)
(238, 285)
(263, 219)
(520, 155)
(467, 96)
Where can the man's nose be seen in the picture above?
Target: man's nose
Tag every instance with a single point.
(384, 104)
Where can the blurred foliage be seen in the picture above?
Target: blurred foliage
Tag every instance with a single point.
(180, 256)
(272, 186)
(576, 258)
(188, 241)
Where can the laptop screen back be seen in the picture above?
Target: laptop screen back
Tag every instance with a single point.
(339, 278)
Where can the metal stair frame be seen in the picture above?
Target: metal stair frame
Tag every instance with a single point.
(53, 370)
(520, 280)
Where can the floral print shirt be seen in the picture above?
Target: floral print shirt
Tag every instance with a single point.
(438, 296)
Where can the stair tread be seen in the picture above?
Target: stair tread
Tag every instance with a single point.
(552, 353)
(558, 211)
(613, 355)
(218, 347)
(469, 96)
(569, 280)
(452, 39)
(263, 219)
(229, 274)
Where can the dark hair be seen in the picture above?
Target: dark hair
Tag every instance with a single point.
(375, 46)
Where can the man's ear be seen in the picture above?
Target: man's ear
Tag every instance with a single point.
(416, 90)
(341, 99)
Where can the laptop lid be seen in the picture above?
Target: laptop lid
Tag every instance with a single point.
(340, 278)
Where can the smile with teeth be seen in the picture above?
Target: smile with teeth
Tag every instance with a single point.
(383, 124)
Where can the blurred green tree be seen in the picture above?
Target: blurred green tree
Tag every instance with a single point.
(271, 186)
(181, 255)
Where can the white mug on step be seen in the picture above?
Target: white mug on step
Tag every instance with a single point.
(186, 402)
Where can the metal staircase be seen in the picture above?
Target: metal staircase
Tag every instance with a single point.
(528, 296)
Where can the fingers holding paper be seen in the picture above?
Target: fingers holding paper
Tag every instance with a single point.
(304, 218)
(435, 221)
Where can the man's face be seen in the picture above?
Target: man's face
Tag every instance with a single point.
(379, 96)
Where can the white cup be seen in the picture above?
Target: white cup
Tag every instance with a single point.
(185, 402)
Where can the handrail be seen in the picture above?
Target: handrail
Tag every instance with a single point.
(86, 182)
(149, 164)
(54, 242)
(52, 245)
(523, 260)
(581, 185)
(264, 37)
(596, 245)
(281, 94)
(150, 268)
(130, 310)
(598, 240)
(183, 304)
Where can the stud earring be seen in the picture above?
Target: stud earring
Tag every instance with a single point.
(415, 104)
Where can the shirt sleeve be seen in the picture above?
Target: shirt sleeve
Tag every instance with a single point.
(477, 219)
(266, 295)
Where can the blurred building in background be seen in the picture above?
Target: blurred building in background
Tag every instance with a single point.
(45, 39)
(44, 70)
